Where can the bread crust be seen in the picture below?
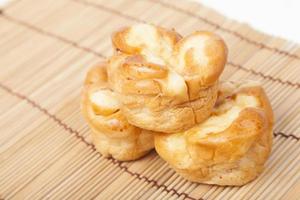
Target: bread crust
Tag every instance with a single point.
(112, 135)
(232, 155)
(166, 83)
(161, 89)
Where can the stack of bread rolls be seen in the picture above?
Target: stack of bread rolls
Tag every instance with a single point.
(161, 90)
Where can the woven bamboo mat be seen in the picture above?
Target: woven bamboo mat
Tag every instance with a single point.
(46, 48)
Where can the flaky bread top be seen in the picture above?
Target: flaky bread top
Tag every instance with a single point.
(237, 122)
(153, 57)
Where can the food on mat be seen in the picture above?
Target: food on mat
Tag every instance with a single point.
(166, 83)
(111, 133)
(231, 146)
(162, 90)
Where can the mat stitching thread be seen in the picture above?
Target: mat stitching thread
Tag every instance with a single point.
(286, 136)
(110, 10)
(297, 85)
(218, 26)
(114, 161)
(77, 135)
(49, 34)
(76, 45)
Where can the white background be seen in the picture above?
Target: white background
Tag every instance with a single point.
(276, 17)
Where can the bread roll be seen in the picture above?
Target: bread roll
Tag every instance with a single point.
(166, 83)
(111, 133)
(231, 146)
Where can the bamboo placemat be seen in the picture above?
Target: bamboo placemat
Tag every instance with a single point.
(47, 46)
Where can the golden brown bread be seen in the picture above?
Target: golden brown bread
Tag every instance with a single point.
(231, 146)
(166, 83)
(111, 133)
(161, 88)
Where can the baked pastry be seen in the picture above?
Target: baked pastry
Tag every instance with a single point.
(111, 133)
(166, 83)
(231, 146)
